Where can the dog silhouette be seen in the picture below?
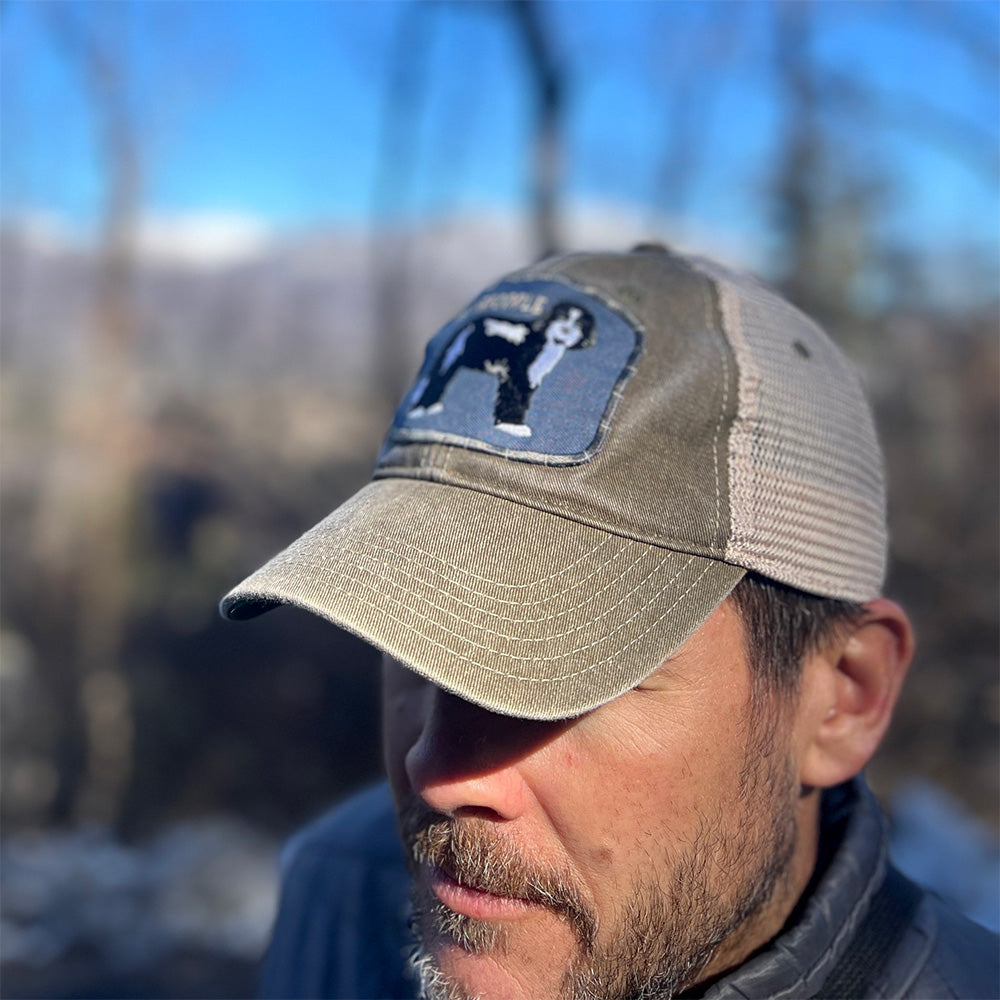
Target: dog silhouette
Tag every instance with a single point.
(518, 354)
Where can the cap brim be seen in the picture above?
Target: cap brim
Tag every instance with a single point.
(523, 612)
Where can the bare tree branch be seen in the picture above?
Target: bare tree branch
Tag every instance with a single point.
(973, 34)
(911, 115)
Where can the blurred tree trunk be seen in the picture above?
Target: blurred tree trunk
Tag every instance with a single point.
(687, 71)
(401, 116)
(801, 166)
(85, 516)
(827, 201)
(547, 84)
(829, 195)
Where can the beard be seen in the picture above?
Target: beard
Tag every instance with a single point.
(668, 924)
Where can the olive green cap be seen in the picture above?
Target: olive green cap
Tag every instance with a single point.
(593, 454)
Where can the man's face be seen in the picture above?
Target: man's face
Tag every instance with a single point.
(645, 845)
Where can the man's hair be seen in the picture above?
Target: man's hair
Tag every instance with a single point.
(782, 625)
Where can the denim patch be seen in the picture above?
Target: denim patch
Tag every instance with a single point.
(531, 370)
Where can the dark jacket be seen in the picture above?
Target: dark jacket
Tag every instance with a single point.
(341, 927)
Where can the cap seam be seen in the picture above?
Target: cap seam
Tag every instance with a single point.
(708, 305)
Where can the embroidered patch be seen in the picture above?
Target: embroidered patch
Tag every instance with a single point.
(530, 370)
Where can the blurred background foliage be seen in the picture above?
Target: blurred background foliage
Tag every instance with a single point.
(226, 231)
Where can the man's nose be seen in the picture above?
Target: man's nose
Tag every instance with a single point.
(469, 761)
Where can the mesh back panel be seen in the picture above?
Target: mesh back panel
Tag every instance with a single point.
(807, 489)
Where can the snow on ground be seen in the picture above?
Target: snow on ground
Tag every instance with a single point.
(210, 884)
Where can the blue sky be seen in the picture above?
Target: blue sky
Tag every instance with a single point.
(275, 111)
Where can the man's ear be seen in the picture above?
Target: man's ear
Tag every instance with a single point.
(848, 694)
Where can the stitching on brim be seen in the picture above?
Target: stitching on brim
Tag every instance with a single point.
(394, 545)
(324, 528)
(513, 656)
(375, 571)
(525, 603)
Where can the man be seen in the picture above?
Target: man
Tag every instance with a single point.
(635, 661)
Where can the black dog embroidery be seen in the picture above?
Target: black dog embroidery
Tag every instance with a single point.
(519, 355)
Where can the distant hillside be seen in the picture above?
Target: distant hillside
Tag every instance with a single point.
(302, 304)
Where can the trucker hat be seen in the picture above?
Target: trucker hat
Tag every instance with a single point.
(593, 454)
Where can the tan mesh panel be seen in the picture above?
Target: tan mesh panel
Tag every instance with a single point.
(807, 491)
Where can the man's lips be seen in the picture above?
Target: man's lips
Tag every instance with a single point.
(476, 903)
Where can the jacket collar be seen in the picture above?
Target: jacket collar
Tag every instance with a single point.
(854, 859)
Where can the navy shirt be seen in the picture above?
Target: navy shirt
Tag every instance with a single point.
(341, 928)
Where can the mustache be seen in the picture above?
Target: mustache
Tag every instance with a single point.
(470, 851)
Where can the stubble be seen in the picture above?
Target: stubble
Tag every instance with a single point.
(669, 924)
